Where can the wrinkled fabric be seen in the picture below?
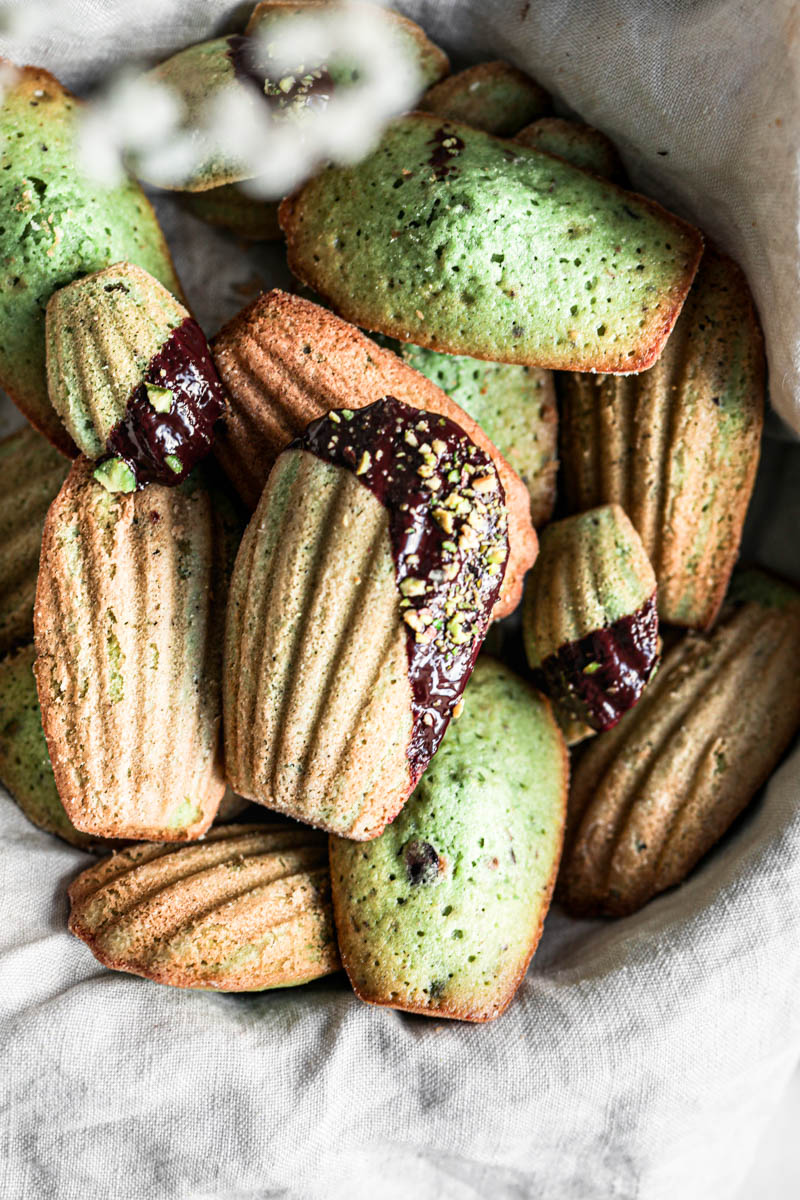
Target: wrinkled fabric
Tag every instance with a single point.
(642, 1058)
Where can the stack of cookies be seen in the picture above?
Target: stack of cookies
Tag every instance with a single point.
(268, 575)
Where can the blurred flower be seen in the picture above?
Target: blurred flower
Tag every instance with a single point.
(276, 148)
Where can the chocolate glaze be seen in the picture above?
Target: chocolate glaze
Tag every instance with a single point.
(621, 658)
(144, 437)
(309, 90)
(448, 529)
(446, 148)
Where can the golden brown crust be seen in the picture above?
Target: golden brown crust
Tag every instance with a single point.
(677, 446)
(128, 657)
(285, 361)
(246, 909)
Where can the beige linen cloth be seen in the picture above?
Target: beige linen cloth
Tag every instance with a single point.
(642, 1058)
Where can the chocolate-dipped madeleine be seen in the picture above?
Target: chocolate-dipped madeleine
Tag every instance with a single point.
(247, 65)
(127, 629)
(589, 619)
(25, 769)
(651, 797)
(31, 472)
(361, 594)
(677, 446)
(514, 406)
(246, 909)
(130, 373)
(285, 361)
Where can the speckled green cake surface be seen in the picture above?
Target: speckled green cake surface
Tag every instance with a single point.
(25, 768)
(442, 912)
(56, 225)
(455, 240)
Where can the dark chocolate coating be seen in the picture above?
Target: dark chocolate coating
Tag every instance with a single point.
(447, 582)
(620, 660)
(446, 148)
(144, 437)
(309, 90)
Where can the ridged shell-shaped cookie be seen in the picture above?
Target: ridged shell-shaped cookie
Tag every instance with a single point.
(25, 768)
(442, 913)
(246, 909)
(31, 472)
(128, 627)
(229, 207)
(514, 406)
(55, 225)
(318, 709)
(677, 446)
(361, 595)
(589, 619)
(493, 96)
(651, 797)
(581, 145)
(130, 374)
(285, 362)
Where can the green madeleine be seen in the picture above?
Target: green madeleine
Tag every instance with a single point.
(443, 911)
(56, 225)
(456, 240)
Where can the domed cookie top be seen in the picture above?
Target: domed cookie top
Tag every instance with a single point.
(361, 595)
(131, 375)
(31, 472)
(651, 797)
(246, 909)
(57, 225)
(678, 445)
(441, 914)
(285, 361)
(493, 96)
(127, 623)
(579, 144)
(474, 246)
(25, 768)
(589, 619)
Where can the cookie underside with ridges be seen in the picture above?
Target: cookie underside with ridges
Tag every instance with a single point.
(102, 332)
(472, 246)
(31, 472)
(442, 913)
(57, 225)
(318, 711)
(493, 96)
(678, 445)
(245, 910)
(25, 768)
(590, 625)
(650, 798)
(515, 406)
(285, 362)
(128, 656)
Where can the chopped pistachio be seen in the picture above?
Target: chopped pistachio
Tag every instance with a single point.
(425, 470)
(412, 587)
(364, 463)
(174, 463)
(484, 483)
(115, 475)
(160, 397)
(444, 519)
(439, 447)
